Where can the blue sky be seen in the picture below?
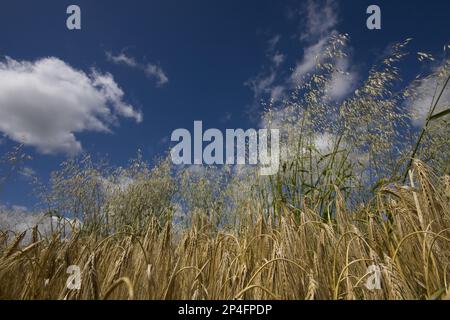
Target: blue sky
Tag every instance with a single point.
(180, 61)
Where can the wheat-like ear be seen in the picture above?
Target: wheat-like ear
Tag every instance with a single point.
(34, 236)
(119, 281)
(94, 292)
(14, 245)
(312, 286)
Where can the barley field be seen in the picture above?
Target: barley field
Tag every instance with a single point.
(361, 192)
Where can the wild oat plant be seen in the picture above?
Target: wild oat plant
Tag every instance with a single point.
(363, 185)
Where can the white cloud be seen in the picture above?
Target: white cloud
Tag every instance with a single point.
(324, 142)
(19, 208)
(151, 70)
(27, 172)
(422, 99)
(278, 59)
(46, 102)
(121, 59)
(265, 83)
(311, 56)
(274, 41)
(261, 84)
(120, 184)
(18, 220)
(277, 93)
(111, 92)
(342, 82)
(15, 220)
(320, 23)
(156, 72)
(321, 19)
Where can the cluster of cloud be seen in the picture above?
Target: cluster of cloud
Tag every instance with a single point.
(27, 172)
(342, 82)
(44, 103)
(424, 96)
(321, 18)
(264, 84)
(152, 71)
(18, 219)
(321, 21)
(121, 184)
